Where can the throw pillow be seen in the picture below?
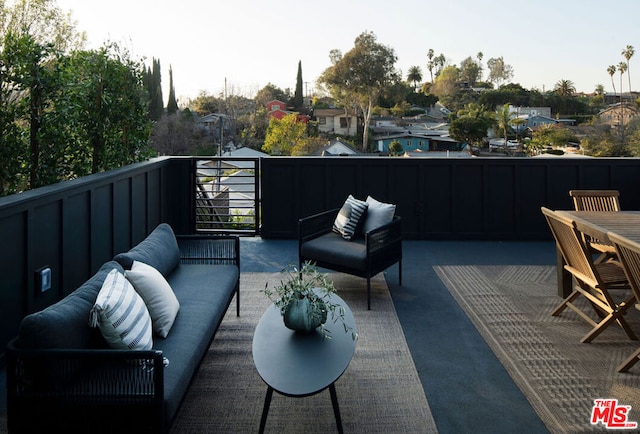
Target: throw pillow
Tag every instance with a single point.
(349, 217)
(121, 314)
(378, 214)
(157, 294)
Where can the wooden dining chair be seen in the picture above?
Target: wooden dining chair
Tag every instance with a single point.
(597, 200)
(594, 281)
(629, 254)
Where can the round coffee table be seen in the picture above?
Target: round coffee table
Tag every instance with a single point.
(297, 364)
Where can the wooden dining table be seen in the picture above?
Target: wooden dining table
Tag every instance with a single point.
(597, 224)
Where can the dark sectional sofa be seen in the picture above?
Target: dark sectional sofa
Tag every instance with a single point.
(63, 377)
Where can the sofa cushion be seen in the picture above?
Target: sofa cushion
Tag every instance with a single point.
(378, 214)
(204, 293)
(349, 217)
(160, 250)
(157, 294)
(332, 249)
(65, 323)
(121, 314)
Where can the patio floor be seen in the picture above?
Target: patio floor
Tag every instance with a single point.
(444, 344)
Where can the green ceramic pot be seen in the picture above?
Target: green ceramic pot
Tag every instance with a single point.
(304, 316)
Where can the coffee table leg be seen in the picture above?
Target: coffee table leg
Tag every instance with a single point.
(336, 409)
(265, 409)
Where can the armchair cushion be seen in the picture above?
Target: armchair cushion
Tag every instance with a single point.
(350, 217)
(331, 248)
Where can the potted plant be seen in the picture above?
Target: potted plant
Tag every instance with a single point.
(304, 300)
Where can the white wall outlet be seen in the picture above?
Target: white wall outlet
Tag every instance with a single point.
(43, 279)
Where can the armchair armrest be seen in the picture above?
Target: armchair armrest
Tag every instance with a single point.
(318, 224)
(70, 389)
(385, 237)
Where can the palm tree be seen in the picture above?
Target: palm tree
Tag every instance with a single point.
(599, 89)
(628, 54)
(414, 75)
(430, 63)
(565, 88)
(622, 68)
(503, 120)
(612, 70)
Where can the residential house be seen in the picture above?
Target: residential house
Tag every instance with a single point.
(337, 121)
(618, 114)
(278, 109)
(418, 142)
(212, 123)
(337, 147)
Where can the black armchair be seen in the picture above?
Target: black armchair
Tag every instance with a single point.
(364, 257)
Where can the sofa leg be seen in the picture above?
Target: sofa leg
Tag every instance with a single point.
(368, 293)
(238, 302)
(400, 272)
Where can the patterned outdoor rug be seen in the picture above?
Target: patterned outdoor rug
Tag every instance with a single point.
(561, 377)
(380, 392)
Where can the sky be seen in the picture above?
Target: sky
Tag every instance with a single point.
(240, 46)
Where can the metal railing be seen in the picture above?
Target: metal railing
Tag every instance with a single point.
(227, 195)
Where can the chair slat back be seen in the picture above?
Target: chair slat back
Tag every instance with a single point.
(595, 200)
(570, 244)
(629, 255)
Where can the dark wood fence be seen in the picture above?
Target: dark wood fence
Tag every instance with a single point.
(452, 199)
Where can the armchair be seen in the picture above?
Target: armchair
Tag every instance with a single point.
(363, 256)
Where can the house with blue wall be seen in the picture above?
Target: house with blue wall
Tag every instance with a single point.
(418, 142)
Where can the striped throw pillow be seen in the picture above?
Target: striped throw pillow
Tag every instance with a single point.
(121, 315)
(349, 217)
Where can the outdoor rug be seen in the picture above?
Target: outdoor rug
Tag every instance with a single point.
(380, 392)
(561, 377)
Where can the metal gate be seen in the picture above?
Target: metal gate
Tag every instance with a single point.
(227, 195)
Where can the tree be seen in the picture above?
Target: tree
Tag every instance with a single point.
(565, 88)
(283, 135)
(361, 75)
(395, 148)
(471, 124)
(172, 104)
(499, 71)
(205, 104)
(549, 135)
(153, 84)
(64, 115)
(105, 107)
(414, 76)
(175, 135)
(298, 98)
(447, 86)
(469, 71)
(503, 121)
(269, 93)
(611, 70)
(43, 21)
(430, 64)
(628, 53)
